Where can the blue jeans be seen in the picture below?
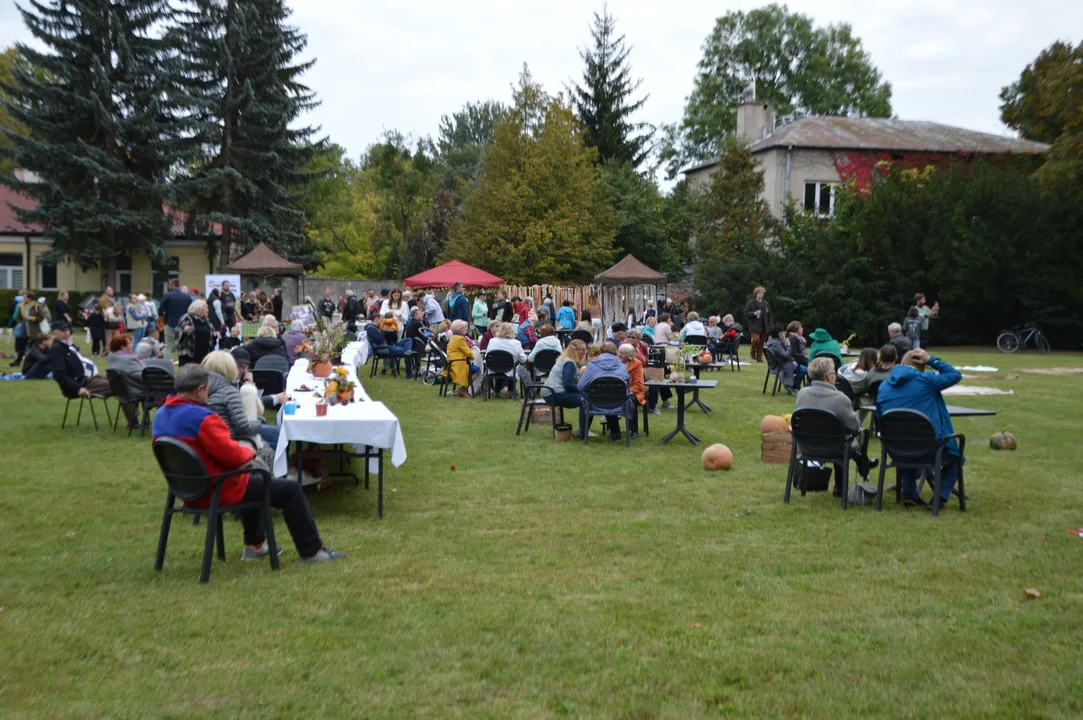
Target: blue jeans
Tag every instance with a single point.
(39, 371)
(908, 478)
(137, 335)
(799, 373)
(269, 433)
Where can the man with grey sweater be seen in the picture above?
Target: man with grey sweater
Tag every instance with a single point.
(822, 394)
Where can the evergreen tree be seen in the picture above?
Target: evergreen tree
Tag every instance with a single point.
(98, 103)
(539, 212)
(244, 92)
(603, 102)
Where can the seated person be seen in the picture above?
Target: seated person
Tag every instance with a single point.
(123, 359)
(244, 377)
(910, 387)
(663, 332)
(415, 340)
(714, 333)
(901, 342)
(489, 334)
(389, 326)
(507, 341)
(186, 417)
(648, 328)
(795, 333)
(789, 371)
(292, 339)
(458, 348)
(636, 384)
(239, 407)
(76, 376)
(266, 342)
(547, 340)
(605, 365)
(36, 362)
(617, 333)
(232, 340)
(693, 326)
(526, 334)
(730, 327)
(855, 370)
(822, 342)
(564, 377)
(821, 393)
(635, 339)
(443, 334)
(150, 352)
(878, 374)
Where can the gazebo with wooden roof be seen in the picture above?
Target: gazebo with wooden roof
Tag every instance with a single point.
(628, 284)
(262, 261)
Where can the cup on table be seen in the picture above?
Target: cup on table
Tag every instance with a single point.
(321, 409)
(290, 408)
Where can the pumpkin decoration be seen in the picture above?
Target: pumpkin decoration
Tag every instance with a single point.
(717, 457)
(332, 388)
(1003, 441)
(773, 424)
(706, 358)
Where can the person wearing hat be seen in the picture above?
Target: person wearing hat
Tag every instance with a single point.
(76, 376)
(823, 344)
(480, 312)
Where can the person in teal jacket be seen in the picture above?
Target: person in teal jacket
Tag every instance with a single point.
(910, 387)
(822, 342)
(566, 316)
(480, 312)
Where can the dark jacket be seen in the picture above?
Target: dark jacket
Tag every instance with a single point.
(66, 368)
(458, 308)
(902, 344)
(276, 303)
(260, 346)
(349, 313)
(174, 306)
(326, 307)
(34, 355)
(229, 309)
(762, 323)
(95, 322)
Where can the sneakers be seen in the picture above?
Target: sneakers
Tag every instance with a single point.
(324, 555)
(252, 554)
(633, 435)
(791, 391)
(654, 411)
(667, 405)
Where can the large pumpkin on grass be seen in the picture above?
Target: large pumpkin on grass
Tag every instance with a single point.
(717, 457)
(1003, 441)
(773, 424)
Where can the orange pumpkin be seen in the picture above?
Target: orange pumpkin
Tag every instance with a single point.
(705, 358)
(772, 424)
(717, 457)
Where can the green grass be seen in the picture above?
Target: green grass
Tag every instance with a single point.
(538, 579)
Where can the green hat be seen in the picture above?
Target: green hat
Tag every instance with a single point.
(820, 335)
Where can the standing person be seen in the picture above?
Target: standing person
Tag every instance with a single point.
(327, 305)
(910, 387)
(415, 340)
(249, 303)
(29, 319)
(228, 307)
(549, 308)
(594, 308)
(457, 307)
(496, 309)
(194, 334)
(61, 310)
(912, 327)
(925, 312)
(433, 314)
(351, 311)
(172, 308)
(13, 320)
(136, 318)
(566, 316)
(760, 319)
(113, 318)
(480, 312)
(276, 304)
(95, 323)
(398, 307)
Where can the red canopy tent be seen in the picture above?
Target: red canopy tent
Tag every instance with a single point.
(450, 273)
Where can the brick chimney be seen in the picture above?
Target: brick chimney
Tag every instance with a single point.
(755, 121)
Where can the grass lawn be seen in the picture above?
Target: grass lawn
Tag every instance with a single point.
(519, 577)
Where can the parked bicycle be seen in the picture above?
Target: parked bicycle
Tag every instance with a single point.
(1011, 340)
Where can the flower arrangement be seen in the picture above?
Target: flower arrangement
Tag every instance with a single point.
(339, 388)
(325, 346)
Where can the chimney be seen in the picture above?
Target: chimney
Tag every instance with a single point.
(755, 121)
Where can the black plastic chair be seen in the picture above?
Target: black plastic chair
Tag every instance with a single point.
(119, 388)
(269, 382)
(834, 359)
(157, 386)
(696, 340)
(730, 348)
(273, 361)
(584, 335)
(774, 367)
(445, 373)
(534, 396)
(90, 399)
(607, 396)
(908, 438)
(188, 479)
(819, 435)
(543, 363)
(496, 365)
(843, 385)
(656, 356)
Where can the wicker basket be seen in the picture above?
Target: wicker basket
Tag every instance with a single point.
(564, 432)
(776, 447)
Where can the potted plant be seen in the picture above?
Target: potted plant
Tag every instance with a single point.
(339, 388)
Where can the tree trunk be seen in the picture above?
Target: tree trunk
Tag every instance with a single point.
(108, 140)
(227, 139)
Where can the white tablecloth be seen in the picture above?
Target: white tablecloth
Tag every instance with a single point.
(356, 353)
(362, 422)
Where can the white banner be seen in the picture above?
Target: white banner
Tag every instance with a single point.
(214, 282)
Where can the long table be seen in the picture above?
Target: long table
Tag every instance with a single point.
(366, 425)
(953, 410)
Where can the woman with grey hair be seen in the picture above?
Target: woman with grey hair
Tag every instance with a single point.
(194, 334)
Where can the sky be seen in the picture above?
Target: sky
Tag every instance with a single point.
(401, 65)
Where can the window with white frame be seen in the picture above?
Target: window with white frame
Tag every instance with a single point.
(820, 198)
(11, 272)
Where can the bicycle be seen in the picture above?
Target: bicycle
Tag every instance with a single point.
(1011, 340)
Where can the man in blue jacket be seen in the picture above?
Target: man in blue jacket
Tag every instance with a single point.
(607, 364)
(457, 306)
(910, 387)
(172, 308)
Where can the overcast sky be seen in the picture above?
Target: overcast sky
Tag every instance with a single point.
(401, 65)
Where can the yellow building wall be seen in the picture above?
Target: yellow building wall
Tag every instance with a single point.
(191, 259)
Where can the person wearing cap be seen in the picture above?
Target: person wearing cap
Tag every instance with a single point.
(76, 376)
(480, 312)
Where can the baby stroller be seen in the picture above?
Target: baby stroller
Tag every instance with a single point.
(435, 361)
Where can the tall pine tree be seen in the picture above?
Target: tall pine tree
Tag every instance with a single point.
(98, 105)
(244, 91)
(603, 102)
